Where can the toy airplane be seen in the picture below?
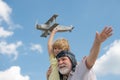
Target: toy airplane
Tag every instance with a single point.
(50, 25)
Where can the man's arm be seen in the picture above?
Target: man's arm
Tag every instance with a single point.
(100, 37)
(50, 41)
(48, 72)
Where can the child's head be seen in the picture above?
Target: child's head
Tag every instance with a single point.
(59, 45)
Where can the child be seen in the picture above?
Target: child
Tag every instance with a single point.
(53, 50)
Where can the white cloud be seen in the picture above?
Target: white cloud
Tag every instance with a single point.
(5, 12)
(36, 47)
(109, 63)
(9, 49)
(5, 33)
(13, 73)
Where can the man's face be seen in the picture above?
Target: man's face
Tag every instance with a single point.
(64, 65)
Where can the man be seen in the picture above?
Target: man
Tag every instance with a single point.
(71, 70)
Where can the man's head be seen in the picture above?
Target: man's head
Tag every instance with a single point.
(66, 62)
(59, 45)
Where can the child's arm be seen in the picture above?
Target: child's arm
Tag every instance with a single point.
(50, 40)
(100, 37)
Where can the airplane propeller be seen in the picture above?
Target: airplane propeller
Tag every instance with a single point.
(36, 23)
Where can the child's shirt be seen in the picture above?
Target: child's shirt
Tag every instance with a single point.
(54, 65)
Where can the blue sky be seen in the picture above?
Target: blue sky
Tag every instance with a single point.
(23, 53)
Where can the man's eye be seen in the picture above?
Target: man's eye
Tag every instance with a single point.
(63, 59)
(58, 60)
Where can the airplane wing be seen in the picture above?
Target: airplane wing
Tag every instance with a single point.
(51, 19)
(44, 34)
(53, 26)
(64, 28)
(47, 32)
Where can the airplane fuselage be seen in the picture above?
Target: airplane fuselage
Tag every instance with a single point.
(42, 27)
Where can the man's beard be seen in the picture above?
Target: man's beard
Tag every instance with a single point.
(64, 70)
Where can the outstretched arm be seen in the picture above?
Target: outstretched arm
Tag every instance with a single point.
(50, 40)
(100, 37)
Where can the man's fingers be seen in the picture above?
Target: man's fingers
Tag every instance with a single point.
(109, 30)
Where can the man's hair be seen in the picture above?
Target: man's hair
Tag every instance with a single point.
(70, 55)
(62, 44)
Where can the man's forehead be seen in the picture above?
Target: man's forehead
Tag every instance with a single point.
(64, 57)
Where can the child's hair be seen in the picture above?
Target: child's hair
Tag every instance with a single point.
(62, 44)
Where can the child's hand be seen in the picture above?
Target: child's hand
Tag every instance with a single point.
(55, 30)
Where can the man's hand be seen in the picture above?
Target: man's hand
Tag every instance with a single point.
(106, 32)
(48, 72)
(100, 37)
